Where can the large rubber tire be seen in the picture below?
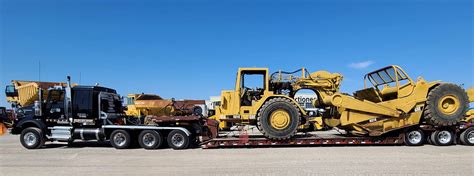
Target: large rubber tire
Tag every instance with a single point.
(467, 136)
(120, 139)
(32, 138)
(178, 140)
(414, 137)
(442, 138)
(150, 139)
(266, 115)
(446, 105)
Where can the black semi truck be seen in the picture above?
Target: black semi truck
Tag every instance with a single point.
(96, 113)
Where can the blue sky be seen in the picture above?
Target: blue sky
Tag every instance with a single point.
(192, 49)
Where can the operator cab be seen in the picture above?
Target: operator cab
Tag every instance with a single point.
(252, 85)
(388, 83)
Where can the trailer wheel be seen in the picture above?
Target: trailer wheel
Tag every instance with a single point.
(442, 137)
(414, 137)
(120, 139)
(467, 136)
(278, 119)
(178, 140)
(150, 139)
(32, 138)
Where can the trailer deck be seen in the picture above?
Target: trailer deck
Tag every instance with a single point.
(308, 139)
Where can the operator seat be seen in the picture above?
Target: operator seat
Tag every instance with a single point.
(389, 93)
(369, 94)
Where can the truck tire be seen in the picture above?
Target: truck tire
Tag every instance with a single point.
(120, 139)
(178, 140)
(150, 139)
(414, 137)
(446, 105)
(32, 138)
(442, 137)
(467, 136)
(278, 119)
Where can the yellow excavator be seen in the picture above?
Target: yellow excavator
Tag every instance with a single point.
(390, 100)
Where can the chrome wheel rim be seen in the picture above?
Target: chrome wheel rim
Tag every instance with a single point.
(414, 137)
(444, 137)
(30, 139)
(149, 140)
(470, 137)
(119, 139)
(177, 140)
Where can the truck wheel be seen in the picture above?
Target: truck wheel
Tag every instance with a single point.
(178, 140)
(278, 119)
(414, 137)
(446, 105)
(150, 139)
(32, 138)
(442, 137)
(467, 136)
(120, 139)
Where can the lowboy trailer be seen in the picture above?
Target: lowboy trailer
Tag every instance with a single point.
(460, 134)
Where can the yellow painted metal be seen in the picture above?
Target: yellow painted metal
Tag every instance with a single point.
(317, 122)
(393, 101)
(28, 91)
(231, 109)
(280, 119)
(139, 106)
(470, 94)
(448, 104)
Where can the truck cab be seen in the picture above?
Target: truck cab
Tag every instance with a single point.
(68, 113)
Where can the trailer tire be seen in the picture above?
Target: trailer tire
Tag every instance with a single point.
(150, 139)
(467, 136)
(446, 105)
(414, 137)
(32, 138)
(442, 137)
(178, 140)
(120, 139)
(278, 119)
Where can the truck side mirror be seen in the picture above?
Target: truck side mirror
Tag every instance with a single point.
(103, 115)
